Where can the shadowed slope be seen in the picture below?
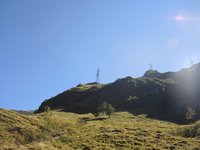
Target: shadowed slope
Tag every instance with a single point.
(165, 97)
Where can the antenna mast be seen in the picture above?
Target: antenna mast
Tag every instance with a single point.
(191, 61)
(97, 75)
(150, 66)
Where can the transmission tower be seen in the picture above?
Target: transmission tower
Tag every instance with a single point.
(97, 75)
(150, 66)
(191, 61)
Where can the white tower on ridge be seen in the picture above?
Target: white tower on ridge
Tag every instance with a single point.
(97, 75)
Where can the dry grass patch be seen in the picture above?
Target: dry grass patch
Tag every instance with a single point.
(122, 131)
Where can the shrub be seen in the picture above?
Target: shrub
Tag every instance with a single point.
(190, 113)
(191, 131)
(48, 125)
(106, 108)
(132, 98)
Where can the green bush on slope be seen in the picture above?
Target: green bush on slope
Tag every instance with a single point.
(192, 130)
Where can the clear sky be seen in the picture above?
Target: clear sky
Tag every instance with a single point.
(49, 46)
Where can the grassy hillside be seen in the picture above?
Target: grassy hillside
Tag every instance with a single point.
(17, 128)
(72, 131)
(162, 96)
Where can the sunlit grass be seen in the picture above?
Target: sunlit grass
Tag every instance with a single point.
(72, 131)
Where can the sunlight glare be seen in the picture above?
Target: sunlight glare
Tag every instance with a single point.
(179, 18)
(185, 18)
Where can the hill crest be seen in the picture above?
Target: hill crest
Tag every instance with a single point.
(164, 97)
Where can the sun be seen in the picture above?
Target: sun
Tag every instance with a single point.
(179, 18)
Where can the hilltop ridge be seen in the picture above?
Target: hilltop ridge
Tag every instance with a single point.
(164, 96)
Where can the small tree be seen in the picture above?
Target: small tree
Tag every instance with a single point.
(47, 126)
(106, 108)
(190, 113)
(102, 107)
(47, 118)
(109, 110)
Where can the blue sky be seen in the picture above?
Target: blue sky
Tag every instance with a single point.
(48, 46)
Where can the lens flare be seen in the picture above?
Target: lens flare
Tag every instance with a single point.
(185, 18)
(179, 18)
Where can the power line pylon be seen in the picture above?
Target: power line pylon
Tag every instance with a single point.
(97, 75)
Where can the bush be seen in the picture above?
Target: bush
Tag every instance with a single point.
(132, 98)
(190, 113)
(48, 125)
(191, 131)
(106, 108)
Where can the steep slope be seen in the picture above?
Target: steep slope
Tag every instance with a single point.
(17, 128)
(78, 99)
(164, 97)
(22, 132)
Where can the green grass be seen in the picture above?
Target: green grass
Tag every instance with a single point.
(72, 131)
